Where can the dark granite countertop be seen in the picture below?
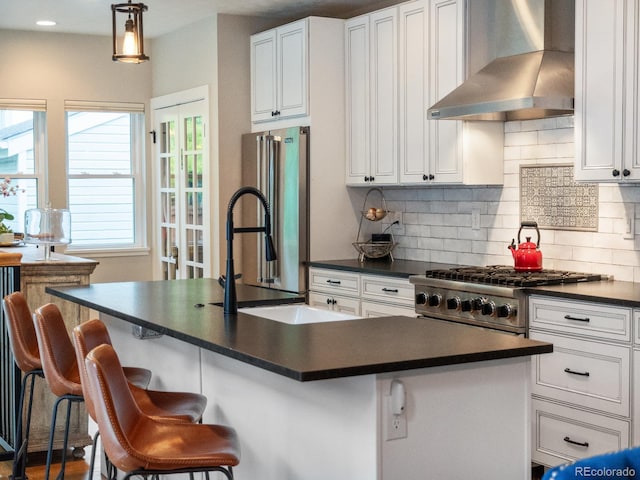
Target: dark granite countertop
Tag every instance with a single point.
(613, 292)
(397, 268)
(302, 352)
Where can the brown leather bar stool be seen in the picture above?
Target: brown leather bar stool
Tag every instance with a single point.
(172, 406)
(24, 346)
(139, 444)
(61, 371)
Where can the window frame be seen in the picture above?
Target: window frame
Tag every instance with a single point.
(137, 174)
(38, 108)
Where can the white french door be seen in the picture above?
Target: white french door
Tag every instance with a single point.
(182, 194)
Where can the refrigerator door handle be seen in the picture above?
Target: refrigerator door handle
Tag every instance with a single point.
(268, 171)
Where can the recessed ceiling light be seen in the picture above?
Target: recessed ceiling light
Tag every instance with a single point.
(45, 23)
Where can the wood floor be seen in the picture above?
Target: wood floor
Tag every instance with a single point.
(79, 470)
(75, 469)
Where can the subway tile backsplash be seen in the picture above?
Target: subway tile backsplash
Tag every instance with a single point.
(436, 221)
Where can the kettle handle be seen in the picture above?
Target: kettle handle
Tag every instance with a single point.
(530, 225)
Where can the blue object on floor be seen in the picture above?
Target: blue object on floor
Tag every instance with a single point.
(622, 465)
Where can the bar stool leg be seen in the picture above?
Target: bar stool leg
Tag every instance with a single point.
(18, 471)
(70, 399)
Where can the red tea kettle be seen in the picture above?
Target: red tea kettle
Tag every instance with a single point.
(527, 257)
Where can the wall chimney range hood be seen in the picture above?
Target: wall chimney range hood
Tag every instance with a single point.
(534, 80)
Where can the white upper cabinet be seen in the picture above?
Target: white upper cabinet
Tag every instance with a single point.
(462, 152)
(606, 97)
(416, 55)
(413, 81)
(279, 73)
(371, 66)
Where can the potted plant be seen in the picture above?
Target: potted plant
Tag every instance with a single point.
(6, 234)
(4, 215)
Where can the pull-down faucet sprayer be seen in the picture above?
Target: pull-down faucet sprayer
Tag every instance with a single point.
(230, 299)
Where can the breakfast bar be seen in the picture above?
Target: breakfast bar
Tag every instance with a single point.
(314, 401)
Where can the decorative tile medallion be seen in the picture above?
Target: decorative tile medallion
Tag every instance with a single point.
(550, 196)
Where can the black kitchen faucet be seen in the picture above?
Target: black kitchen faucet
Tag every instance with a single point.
(230, 300)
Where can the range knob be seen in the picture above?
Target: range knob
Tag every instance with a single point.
(476, 304)
(434, 300)
(488, 308)
(453, 303)
(421, 298)
(465, 305)
(506, 311)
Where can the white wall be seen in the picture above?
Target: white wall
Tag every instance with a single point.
(437, 220)
(58, 67)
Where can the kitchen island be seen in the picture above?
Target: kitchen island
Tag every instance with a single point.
(313, 401)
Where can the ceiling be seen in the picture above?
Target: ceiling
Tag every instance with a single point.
(163, 16)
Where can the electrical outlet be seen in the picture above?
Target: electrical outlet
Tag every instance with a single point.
(475, 219)
(395, 425)
(629, 222)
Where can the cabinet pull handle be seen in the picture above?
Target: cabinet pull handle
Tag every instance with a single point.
(333, 282)
(389, 290)
(331, 301)
(573, 372)
(573, 442)
(577, 319)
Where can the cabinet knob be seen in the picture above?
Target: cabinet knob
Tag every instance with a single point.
(425, 177)
(431, 176)
(615, 172)
(366, 179)
(371, 179)
(626, 172)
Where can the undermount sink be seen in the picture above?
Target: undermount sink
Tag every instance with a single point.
(297, 314)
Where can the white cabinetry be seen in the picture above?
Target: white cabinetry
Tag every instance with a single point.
(399, 61)
(371, 66)
(283, 61)
(334, 290)
(462, 152)
(581, 395)
(635, 408)
(360, 294)
(607, 97)
(279, 72)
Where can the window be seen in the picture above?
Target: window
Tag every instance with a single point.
(105, 165)
(22, 147)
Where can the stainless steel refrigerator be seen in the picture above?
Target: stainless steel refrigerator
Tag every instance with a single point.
(277, 163)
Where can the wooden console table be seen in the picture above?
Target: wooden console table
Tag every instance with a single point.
(35, 276)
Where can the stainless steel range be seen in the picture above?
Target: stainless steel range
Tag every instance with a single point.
(490, 297)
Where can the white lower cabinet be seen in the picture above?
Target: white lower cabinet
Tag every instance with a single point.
(581, 392)
(337, 303)
(360, 294)
(564, 433)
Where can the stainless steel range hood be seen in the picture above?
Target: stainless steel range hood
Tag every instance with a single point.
(535, 81)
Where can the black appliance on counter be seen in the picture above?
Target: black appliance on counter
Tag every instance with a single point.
(490, 297)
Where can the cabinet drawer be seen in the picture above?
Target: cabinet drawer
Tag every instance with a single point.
(335, 302)
(636, 330)
(385, 289)
(374, 309)
(590, 374)
(557, 426)
(332, 281)
(580, 318)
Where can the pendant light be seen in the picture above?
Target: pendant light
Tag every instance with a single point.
(132, 50)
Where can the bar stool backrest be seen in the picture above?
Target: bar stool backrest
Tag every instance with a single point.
(86, 337)
(56, 351)
(117, 413)
(22, 334)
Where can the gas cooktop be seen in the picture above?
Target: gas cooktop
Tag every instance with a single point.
(506, 275)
